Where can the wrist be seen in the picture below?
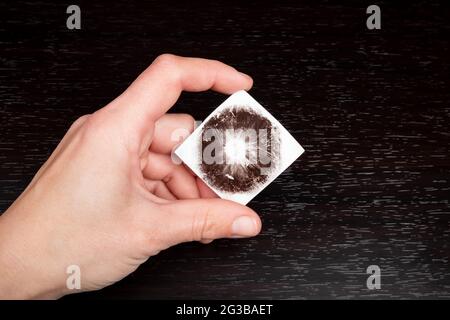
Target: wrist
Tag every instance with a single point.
(25, 273)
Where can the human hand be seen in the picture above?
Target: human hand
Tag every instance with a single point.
(109, 196)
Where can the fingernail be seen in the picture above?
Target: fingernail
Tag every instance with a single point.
(244, 227)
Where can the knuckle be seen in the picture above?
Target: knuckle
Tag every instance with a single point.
(89, 133)
(95, 125)
(90, 126)
(167, 65)
(166, 60)
(219, 63)
(79, 122)
(201, 226)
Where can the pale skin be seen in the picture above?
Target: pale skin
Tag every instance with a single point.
(109, 197)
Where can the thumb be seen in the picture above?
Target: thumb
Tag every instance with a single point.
(209, 219)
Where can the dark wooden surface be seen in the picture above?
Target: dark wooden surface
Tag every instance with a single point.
(371, 109)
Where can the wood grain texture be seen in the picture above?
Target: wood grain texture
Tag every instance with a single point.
(371, 108)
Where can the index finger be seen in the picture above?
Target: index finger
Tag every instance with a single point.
(157, 89)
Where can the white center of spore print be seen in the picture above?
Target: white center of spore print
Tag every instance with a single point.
(236, 149)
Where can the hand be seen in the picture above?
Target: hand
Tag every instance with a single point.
(109, 196)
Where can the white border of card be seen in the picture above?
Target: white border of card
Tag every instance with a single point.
(290, 149)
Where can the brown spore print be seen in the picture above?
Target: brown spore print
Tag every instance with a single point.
(242, 175)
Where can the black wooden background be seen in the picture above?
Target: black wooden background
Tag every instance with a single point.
(371, 108)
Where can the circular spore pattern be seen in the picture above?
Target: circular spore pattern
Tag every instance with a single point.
(239, 149)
